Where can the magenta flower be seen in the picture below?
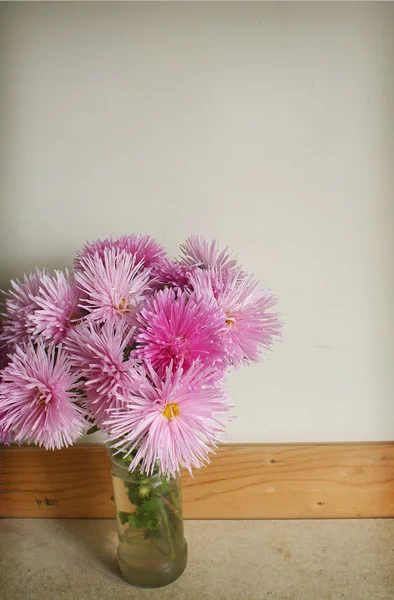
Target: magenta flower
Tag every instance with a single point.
(143, 248)
(58, 308)
(173, 274)
(38, 398)
(98, 355)
(177, 420)
(181, 329)
(20, 306)
(199, 252)
(114, 286)
(245, 305)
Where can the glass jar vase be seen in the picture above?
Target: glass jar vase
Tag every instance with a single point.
(152, 550)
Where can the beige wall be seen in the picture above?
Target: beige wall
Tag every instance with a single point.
(269, 126)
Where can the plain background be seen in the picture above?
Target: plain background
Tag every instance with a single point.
(266, 125)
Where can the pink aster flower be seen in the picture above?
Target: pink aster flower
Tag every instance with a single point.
(38, 398)
(99, 356)
(245, 305)
(114, 286)
(4, 350)
(173, 274)
(181, 329)
(143, 248)
(20, 304)
(5, 433)
(199, 252)
(4, 358)
(176, 420)
(58, 309)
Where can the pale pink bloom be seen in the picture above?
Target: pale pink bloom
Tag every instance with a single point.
(99, 355)
(38, 398)
(20, 304)
(114, 286)
(176, 420)
(197, 251)
(58, 308)
(5, 435)
(5, 353)
(175, 327)
(143, 248)
(245, 306)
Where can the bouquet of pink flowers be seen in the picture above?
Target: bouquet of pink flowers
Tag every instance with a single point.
(134, 344)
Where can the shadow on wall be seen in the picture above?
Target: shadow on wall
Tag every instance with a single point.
(11, 271)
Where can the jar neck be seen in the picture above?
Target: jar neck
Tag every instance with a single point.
(120, 466)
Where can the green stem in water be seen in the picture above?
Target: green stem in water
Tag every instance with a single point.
(174, 501)
(171, 508)
(168, 530)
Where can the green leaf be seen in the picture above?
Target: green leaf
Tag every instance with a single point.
(92, 430)
(123, 517)
(151, 505)
(132, 519)
(164, 485)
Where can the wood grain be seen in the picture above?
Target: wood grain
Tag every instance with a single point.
(244, 481)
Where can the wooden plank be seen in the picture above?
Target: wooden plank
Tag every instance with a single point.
(244, 481)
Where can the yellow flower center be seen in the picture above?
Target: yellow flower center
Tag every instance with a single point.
(41, 401)
(171, 410)
(123, 305)
(230, 321)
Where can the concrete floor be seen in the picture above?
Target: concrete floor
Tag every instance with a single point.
(228, 560)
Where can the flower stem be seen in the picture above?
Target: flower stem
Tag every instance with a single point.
(168, 530)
